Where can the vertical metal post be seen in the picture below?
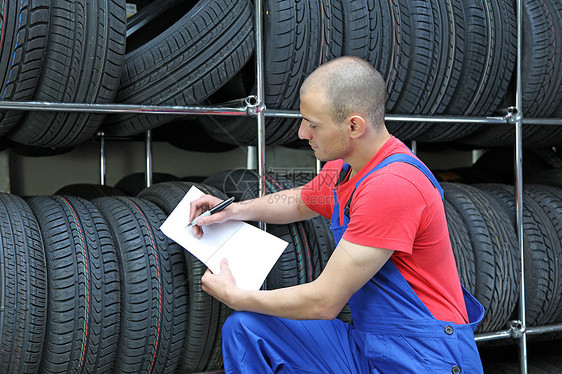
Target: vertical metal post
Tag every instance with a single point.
(148, 153)
(102, 158)
(519, 184)
(251, 158)
(260, 98)
(414, 147)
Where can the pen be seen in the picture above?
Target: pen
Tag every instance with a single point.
(217, 208)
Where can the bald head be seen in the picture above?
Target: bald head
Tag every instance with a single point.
(351, 85)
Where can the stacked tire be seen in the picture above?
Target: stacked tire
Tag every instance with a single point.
(455, 57)
(482, 229)
(96, 286)
(59, 51)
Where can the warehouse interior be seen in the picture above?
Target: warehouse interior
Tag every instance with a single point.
(503, 167)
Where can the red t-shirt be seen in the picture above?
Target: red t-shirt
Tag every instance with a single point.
(397, 208)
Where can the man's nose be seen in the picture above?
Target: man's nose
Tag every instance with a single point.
(302, 131)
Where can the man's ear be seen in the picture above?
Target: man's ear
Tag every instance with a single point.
(357, 125)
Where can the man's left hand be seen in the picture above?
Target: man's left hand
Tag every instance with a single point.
(221, 286)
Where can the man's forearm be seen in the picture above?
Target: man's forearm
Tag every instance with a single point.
(279, 208)
(302, 302)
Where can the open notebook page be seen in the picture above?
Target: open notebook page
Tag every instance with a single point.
(251, 252)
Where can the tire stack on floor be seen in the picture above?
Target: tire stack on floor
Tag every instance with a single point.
(94, 285)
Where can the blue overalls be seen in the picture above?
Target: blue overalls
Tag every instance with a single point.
(392, 331)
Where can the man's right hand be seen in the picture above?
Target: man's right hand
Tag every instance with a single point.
(203, 204)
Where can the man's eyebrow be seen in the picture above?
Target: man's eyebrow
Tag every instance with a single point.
(306, 119)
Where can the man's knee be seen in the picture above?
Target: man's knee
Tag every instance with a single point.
(239, 323)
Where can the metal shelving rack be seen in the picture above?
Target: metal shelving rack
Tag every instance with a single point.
(254, 106)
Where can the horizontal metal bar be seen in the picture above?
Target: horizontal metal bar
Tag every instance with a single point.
(445, 119)
(124, 108)
(543, 329)
(409, 118)
(493, 335)
(250, 109)
(504, 334)
(282, 113)
(542, 121)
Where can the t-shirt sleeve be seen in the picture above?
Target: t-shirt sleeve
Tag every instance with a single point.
(318, 194)
(386, 212)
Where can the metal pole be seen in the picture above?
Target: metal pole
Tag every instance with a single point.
(251, 158)
(260, 98)
(414, 147)
(45, 106)
(148, 153)
(102, 158)
(519, 185)
(415, 118)
(496, 335)
(543, 329)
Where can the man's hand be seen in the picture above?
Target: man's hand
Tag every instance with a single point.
(221, 286)
(200, 206)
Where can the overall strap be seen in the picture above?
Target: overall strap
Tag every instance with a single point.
(398, 157)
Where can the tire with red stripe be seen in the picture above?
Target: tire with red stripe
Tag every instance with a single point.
(81, 63)
(23, 288)
(83, 283)
(153, 287)
(206, 315)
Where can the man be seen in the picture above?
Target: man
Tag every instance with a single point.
(393, 261)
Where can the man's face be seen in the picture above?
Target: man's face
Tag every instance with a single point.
(329, 140)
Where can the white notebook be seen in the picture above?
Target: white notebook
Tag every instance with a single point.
(251, 252)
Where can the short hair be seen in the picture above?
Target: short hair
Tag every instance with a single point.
(351, 85)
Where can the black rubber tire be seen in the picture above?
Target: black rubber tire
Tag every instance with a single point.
(542, 57)
(167, 195)
(83, 61)
(462, 247)
(435, 56)
(298, 37)
(23, 288)
(185, 64)
(83, 280)
(153, 287)
(89, 191)
(541, 80)
(494, 243)
(507, 257)
(134, 183)
(541, 280)
(550, 200)
(206, 315)
(487, 66)
(24, 31)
